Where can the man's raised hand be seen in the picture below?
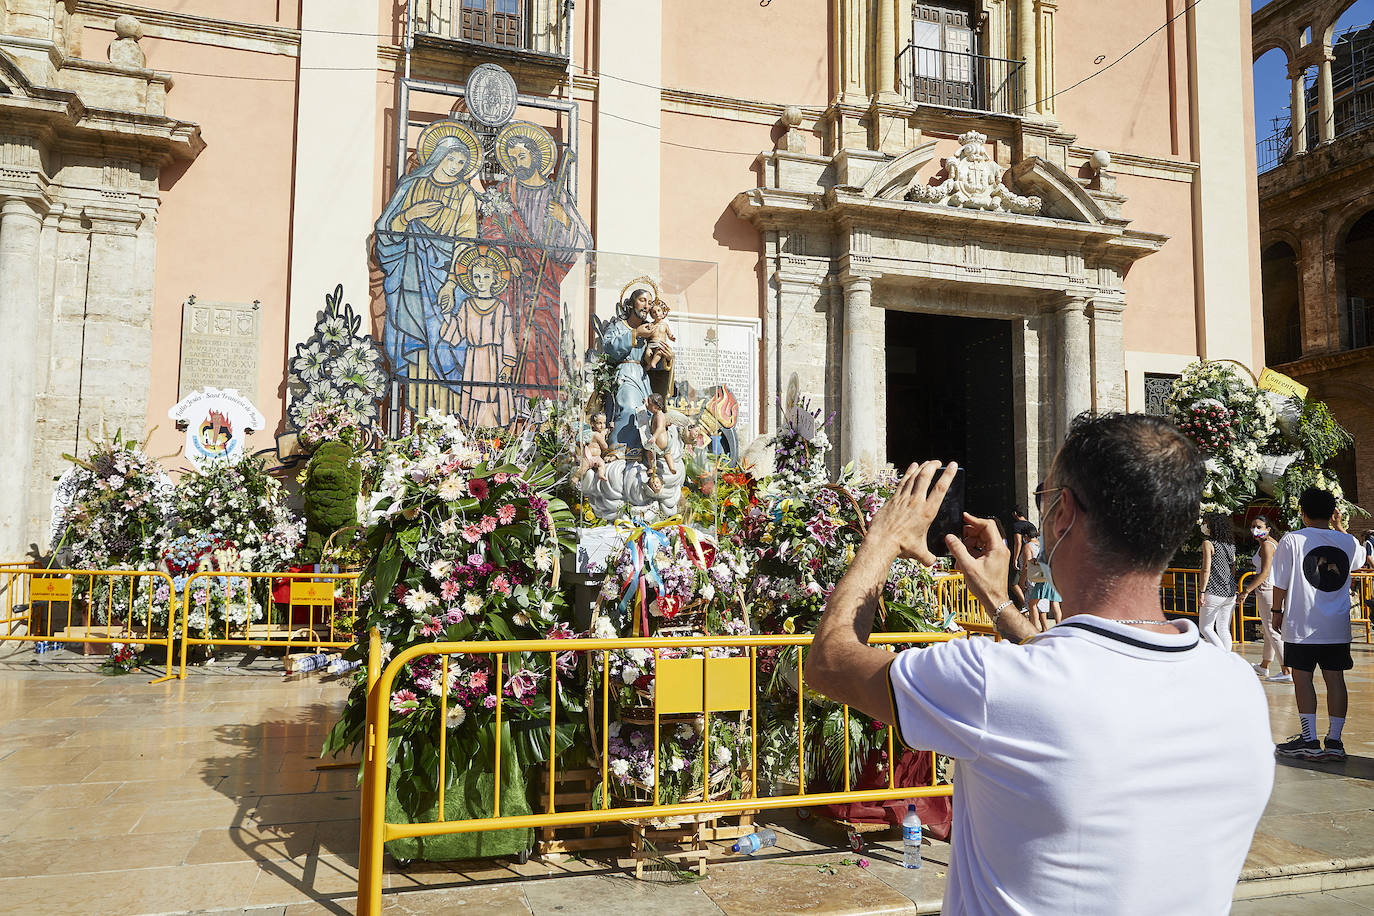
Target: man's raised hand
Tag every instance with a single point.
(901, 524)
(983, 559)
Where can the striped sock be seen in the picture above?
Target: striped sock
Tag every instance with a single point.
(1309, 725)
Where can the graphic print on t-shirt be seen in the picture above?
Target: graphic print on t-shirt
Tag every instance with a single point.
(1326, 568)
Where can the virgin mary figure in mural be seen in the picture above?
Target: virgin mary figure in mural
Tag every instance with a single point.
(416, 235)
(538, 218)
(477, 323)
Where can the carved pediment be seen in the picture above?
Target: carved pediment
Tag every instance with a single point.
(974, 181)
(895, 178)
(1063, 196)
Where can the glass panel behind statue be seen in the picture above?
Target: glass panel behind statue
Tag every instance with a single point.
(624, 341)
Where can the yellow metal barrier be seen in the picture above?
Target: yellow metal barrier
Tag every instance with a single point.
(84, 605)
(701, 685)
(952, 594)
(249, 614)
(1179, 594)
(1362, 596)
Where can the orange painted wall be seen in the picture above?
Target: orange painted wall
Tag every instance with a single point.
(778, 53)
(1126, 107)
(1160, 316)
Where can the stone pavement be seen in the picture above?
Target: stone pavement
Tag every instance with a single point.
(206, 796)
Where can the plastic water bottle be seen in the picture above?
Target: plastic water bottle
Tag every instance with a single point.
(755, 841)
(911, 838)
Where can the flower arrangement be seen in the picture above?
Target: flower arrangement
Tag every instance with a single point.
(462, 545)
(242, 506)
(123, 659)
(1298, 478)
(681, 762)
(114, 508)
(336, 379)
(1231, 421)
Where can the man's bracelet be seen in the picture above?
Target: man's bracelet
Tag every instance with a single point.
(997, 610)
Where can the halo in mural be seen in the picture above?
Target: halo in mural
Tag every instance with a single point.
(482, 255)
(533, 133)
(431, 135)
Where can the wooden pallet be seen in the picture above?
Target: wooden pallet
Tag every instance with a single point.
(686, 842)
(574, 790)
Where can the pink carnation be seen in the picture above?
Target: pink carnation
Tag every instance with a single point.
(433, 628)
(501, 584)
(403, 702)
(488, 524)
(472, 534)
(506, 514)
(449, 589)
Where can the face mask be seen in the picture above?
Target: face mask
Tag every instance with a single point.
(1257, 532)
(1047, 558)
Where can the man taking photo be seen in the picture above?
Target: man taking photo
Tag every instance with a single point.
(1113, 764)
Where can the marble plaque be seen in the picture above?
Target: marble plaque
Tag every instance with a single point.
(219, 347)
(723, 351)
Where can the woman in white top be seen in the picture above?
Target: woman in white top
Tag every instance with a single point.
(1262, 587)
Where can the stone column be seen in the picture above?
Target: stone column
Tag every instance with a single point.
(859, 407)
(885, 67)
(1108, 355)
(1298, 126)
(1025, 45)
(1075, 361)
(1326, 109)
(118, 334)
(19, 313)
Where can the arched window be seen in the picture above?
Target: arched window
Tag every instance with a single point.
(1282, 327)
(1356, 308)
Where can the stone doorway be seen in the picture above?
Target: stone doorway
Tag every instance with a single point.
(950, 396)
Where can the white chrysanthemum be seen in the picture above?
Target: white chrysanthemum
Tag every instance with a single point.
(621, 768)
(419, 600)
(451, 488)
(543, 559)
(441, 569)
(472, 603)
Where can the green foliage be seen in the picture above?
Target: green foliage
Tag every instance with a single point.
(1321, 437)
(332, 482)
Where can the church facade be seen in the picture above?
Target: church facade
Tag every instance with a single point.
(951, 225)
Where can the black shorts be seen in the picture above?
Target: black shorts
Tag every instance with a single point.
(1309, 656)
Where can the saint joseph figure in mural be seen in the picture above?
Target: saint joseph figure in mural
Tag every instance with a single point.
(476, 323)
(540, 221)
(417, 234)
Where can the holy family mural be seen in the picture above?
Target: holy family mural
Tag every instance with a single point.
(472, 274)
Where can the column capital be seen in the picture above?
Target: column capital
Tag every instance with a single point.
(1072, 301)
(23, 205)
(113, 220)
(1108, 309)
(855, 282)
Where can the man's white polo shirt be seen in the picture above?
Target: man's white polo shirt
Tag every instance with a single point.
(1099, 767)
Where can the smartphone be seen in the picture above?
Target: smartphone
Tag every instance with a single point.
(950, 518)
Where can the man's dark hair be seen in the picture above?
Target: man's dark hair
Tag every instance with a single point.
(1317, 504)
(1018, 512)
(1139, 481)
(1219, 529)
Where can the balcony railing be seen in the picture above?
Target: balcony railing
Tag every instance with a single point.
(956, 79)
(538, 26)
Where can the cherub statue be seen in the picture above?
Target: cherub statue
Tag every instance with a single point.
(596, 452)
(658, 354)
(655, 425)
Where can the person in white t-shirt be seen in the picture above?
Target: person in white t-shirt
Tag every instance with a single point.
(1114, 764)
(1312, 610)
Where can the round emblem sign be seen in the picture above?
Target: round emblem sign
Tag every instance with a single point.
(491, 95)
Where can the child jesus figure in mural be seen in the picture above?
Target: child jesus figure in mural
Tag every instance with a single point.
(482, 323)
